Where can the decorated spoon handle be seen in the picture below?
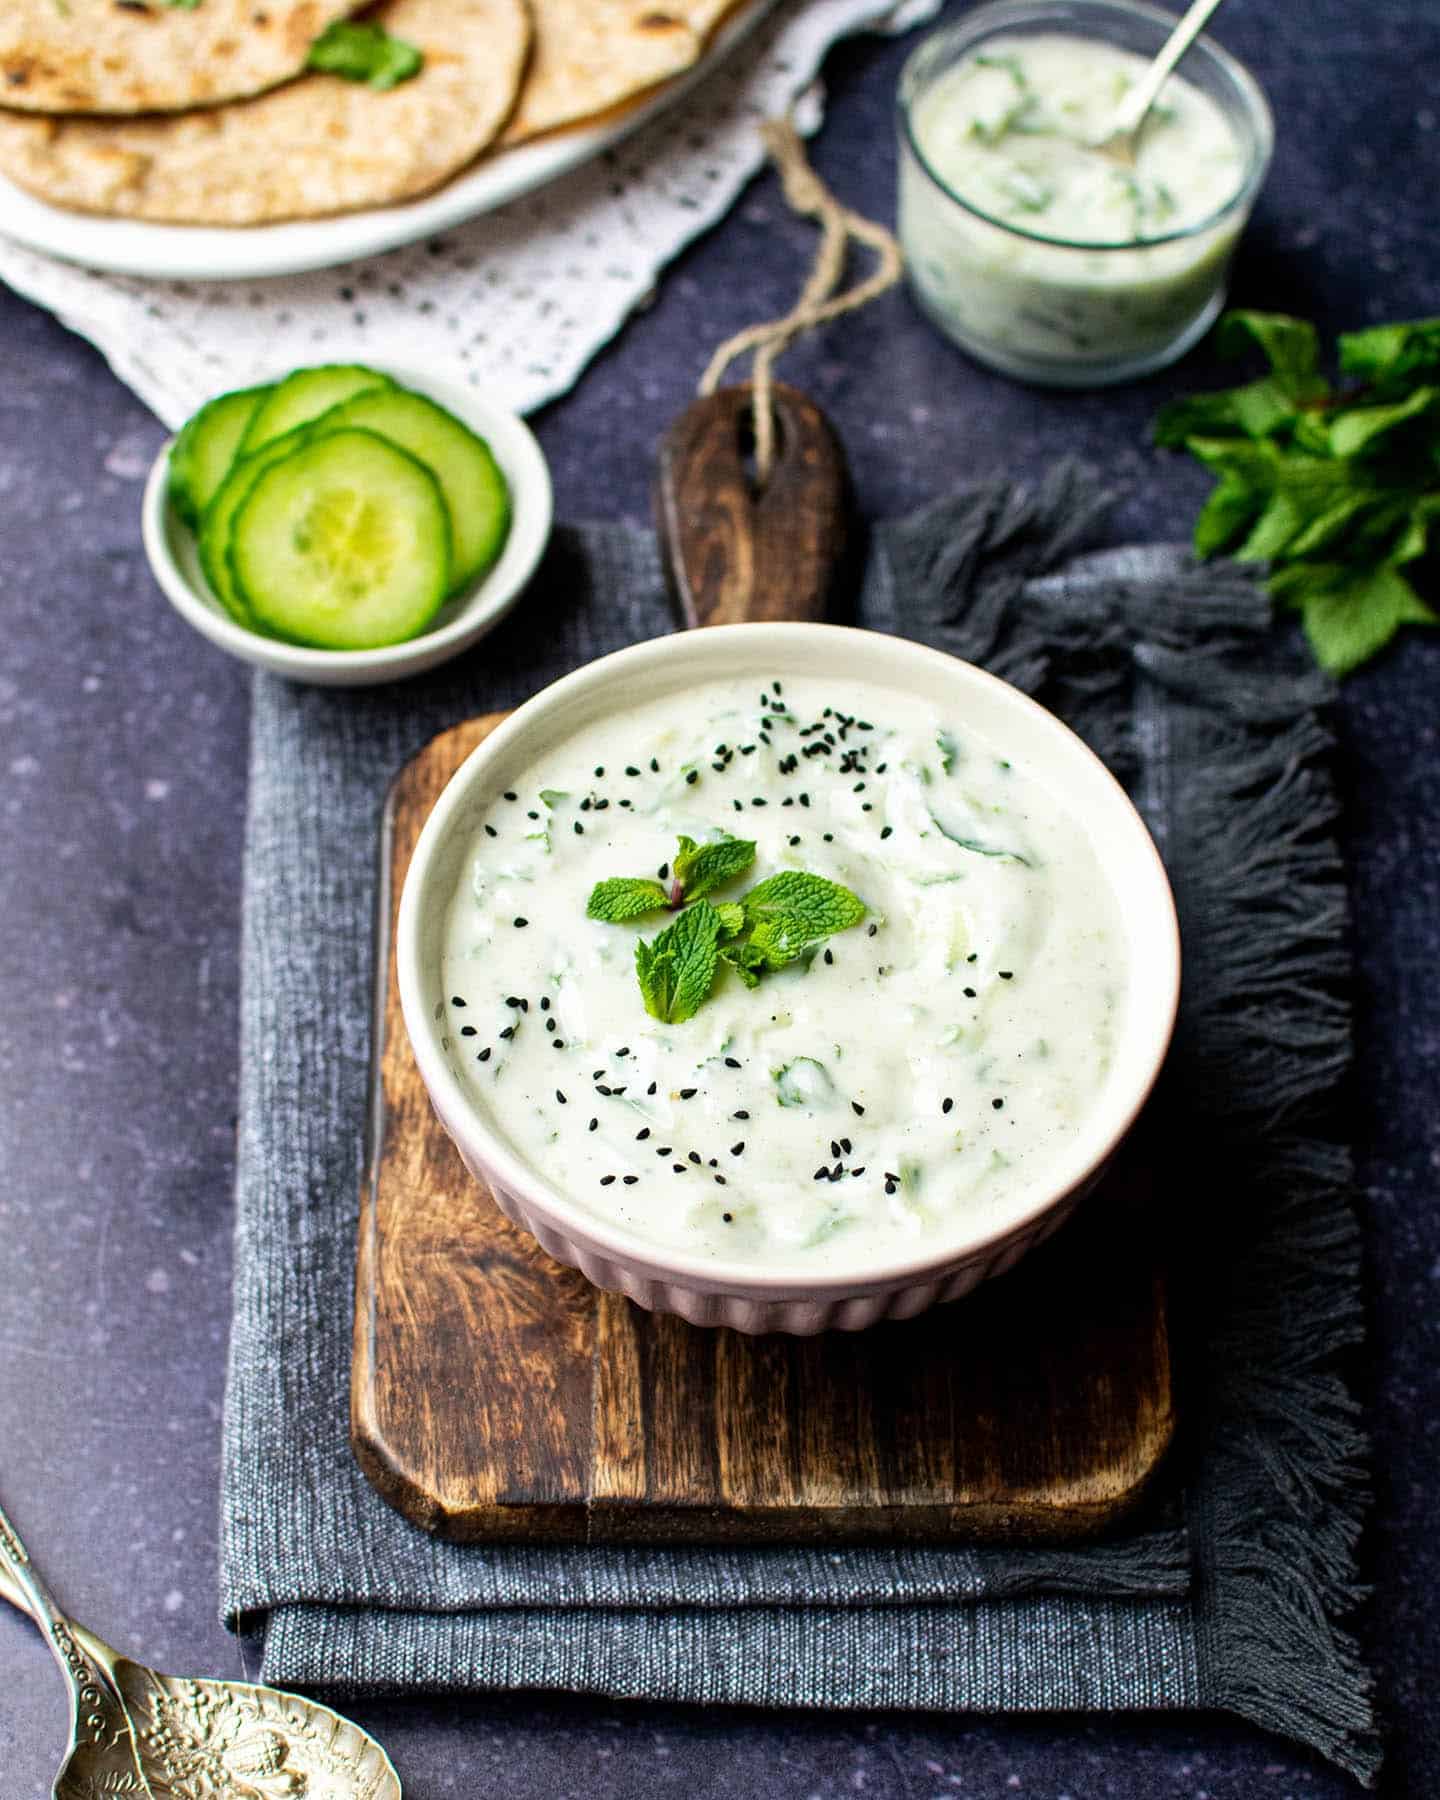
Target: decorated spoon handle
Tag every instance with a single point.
(735, 552)
(82, 1662)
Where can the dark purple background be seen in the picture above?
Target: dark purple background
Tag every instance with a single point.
(122, 754)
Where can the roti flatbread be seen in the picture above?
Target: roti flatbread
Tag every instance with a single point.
(132, 56)
(318, 146)
(591, 55)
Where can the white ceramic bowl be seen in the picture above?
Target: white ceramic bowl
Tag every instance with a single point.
(746, 1295)
(466, 617)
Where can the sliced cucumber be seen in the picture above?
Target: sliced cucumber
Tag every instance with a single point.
(304, 395)
(214, 539)
(201, 455)
(461, 462)
(343, 544)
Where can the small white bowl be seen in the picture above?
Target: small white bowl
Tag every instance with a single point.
(466, 617)
(749, 1296)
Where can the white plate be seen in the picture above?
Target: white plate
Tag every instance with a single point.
(216, 253)
(462, 621)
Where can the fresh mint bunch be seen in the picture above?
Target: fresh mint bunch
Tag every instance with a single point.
(1335, 489)
(777, 922)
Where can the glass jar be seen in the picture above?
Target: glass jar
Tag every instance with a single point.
(1059, 310)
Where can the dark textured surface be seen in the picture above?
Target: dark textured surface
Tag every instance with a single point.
(122, 747)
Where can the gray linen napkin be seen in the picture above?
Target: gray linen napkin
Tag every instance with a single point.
(1233, 1592)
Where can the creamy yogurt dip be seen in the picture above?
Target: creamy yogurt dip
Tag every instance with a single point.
(1082, 268)
(922, 1066)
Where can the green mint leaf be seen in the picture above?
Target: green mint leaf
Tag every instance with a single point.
(732, 918)
(949, 751)
(1349, 614)
(1389, 354)
(1226, 516)
(1290, 346)
(1373, 428)
(793, 910)
(676, 970)
(623, 898)
(553, 796)
(745, 961)
(701, 868)
(364, 52)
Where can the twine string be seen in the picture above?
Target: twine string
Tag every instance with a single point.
(818, 302)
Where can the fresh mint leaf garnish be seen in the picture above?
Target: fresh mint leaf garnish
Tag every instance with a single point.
(1336, 490)
(701, 868)
(771, 926)
(621, 899)
(364, 52)
(677, 970)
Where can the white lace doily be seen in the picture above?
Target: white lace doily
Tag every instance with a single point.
(520, 298)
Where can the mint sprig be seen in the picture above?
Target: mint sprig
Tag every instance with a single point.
(364, 52)
(773, 925)
(1336, 490)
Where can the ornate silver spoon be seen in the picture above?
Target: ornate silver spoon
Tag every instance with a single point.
(138, 1732)
(1123, 138)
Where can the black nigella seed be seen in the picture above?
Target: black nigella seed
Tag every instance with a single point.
(654, 766)
(694, 1156)
(692, 778)
(651, 1088)
(830, 956)
(532, 815)
(738, 1149)
(663, 872)
(642, 1134)
(688, 1093)
(508, 1032)
(740, 1115)
(469, 1031)
(520, 924)
(595, 1074)
(663, 1149)
(579, 829)
(594, 1125)
(490, 831)
(455, 1000)
(630, 1180)
(829, 836)
(865, 806)
(857, 1109)
(585, 804)
(775, 688)
(630, 769)
(729, 1218)
(947, 1104)
(821, 1174)
(484, 1055)
(859, 788)
(605, 1180)
(834, 1147)
(974, 956)
(561, 1098)
(759, 800)
(544, 1003)
(859, 1171)
(845, 1146)
(793, 842)
(557, 1043)
(679, 1168)
(720, 1181)
(732, 1062)
(510, 796)
(599, 768)
(871, 932)
(1006, 974)
(969, 993)
(624, 1050)
(603, 1090)
(804, 799)
(739, 805)
(885, 830)
(549, 1024)
(997, 1104)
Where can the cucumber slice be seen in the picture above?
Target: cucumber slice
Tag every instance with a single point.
(305, 394)
(343, 544)
(214, 539)
(469, 476)
(201, 455)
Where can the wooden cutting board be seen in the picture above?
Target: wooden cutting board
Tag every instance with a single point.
(497, 1396)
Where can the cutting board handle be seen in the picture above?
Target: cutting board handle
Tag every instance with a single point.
(735, 552)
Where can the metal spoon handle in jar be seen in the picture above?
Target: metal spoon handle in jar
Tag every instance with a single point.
(1137, 103)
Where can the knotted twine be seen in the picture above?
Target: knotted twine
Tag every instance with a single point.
(806, 194)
